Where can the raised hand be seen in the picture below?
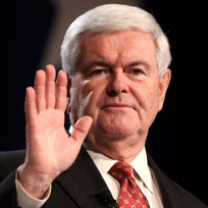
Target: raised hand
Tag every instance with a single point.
(50, 150)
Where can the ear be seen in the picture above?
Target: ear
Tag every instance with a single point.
(163, 86)
(68, 108)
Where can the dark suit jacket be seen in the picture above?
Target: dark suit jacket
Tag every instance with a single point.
(80, 185)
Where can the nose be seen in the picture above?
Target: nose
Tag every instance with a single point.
(118, 84)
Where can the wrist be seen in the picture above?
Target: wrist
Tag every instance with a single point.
(36, 184)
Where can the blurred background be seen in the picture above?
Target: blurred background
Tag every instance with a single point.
(30, 38)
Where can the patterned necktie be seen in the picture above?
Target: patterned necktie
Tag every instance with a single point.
(130, 195)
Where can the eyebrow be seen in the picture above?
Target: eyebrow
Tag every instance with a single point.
(89, 65)
(139, 63)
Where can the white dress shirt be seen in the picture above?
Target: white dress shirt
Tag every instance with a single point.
(143, 174)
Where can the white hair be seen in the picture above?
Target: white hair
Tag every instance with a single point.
(109, 18)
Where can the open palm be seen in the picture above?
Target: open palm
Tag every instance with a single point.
(50, 150)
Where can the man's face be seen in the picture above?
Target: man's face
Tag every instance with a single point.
(117, 84)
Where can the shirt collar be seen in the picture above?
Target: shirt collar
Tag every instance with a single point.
(141, 167)
(139, 164)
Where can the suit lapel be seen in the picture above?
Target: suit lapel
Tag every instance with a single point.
(168, 192)
(82, 181)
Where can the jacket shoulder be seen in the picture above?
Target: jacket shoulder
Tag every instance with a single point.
(9, 161)
(173, 195)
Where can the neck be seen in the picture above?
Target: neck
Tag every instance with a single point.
(122, 149)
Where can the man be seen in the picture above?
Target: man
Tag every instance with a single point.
(116, 58)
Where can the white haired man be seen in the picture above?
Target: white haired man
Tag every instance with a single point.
(116, 58)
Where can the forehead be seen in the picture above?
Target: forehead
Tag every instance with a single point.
(121, 46)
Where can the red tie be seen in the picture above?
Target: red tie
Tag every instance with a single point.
(130, 195)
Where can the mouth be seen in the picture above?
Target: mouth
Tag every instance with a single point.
(117, 106)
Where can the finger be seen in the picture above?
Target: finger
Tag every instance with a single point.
(40, 90)
(61, 91)
(81, 128)
(50, 86)
(30, 105)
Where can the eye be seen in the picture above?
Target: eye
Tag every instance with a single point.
(98, 72)
(136, 71)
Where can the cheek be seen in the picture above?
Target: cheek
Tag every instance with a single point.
(85, 99)
(153, 102)
(148, 100)
(79, 101)
(74, 101)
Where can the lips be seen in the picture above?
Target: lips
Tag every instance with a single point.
(117, 105)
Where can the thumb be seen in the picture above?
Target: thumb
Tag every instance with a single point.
(81, 128)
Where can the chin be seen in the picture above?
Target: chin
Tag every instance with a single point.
(118, 125)
(118, 131)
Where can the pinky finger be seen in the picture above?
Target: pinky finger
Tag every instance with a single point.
(30, 105)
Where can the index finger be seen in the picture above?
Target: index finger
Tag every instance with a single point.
(61, 90)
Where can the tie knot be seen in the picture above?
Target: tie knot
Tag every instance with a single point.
(122, 171)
